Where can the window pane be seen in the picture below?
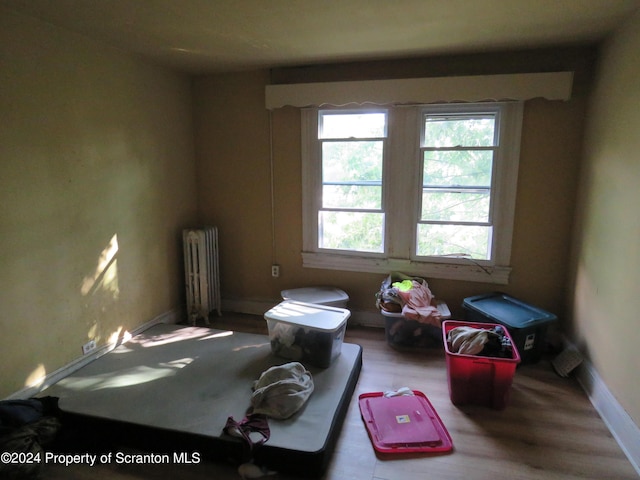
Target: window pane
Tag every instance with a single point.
(352, 174)
(349, 161)
(459, 130)
(460, 168)
(455, 206)
(351, 231)
(463, 240)
(352, 196)
(352, 125)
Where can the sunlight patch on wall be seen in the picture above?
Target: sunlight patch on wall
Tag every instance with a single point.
(105, 276)
(119, 336)
(37, 377)
(93, 333)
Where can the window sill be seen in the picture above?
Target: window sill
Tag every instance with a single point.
(450, 271)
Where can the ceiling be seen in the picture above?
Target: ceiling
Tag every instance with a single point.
(209, 36)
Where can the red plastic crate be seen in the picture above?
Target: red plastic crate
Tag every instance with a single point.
(476, 379)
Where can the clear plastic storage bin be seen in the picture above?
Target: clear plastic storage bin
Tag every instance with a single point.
(406, 334)
(307, 332)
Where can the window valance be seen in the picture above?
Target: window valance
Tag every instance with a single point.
(475, 88)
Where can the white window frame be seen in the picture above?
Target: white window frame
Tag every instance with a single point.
(402, 190)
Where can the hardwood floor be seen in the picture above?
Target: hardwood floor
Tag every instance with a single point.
(549, 429)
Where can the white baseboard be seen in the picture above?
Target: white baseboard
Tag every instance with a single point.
(172, 316)
(620, 424)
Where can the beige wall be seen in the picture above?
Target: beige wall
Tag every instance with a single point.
(232, 147)
(607, 241)
(96, 181)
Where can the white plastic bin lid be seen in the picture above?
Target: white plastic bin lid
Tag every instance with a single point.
(319, 317)
(315, 295)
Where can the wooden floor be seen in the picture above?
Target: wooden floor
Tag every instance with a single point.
(548, 431)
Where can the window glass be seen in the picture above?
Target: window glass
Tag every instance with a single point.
(471, 168)
(459, 130)
(356, 125)
(357, 231)
(457, 165)
(448, 205)
(352, 157)
(454, 240)
(352, 174)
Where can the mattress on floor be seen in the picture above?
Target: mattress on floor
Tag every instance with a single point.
(180, 384)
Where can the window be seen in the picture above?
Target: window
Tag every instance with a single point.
(457, 155)
(427, 190)
(351, 215)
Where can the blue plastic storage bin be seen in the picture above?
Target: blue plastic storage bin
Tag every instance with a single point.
(526, 324)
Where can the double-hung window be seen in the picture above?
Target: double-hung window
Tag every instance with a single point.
(350, 210)
(427, 190)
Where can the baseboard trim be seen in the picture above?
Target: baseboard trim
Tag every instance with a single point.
(171, 316)
(367, 319)
(620, 424)
(250, 307)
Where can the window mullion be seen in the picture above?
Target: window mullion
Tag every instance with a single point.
(403, 182)
(506, 160)
(311, 178)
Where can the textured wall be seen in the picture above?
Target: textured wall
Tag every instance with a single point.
(97, 179)
(606, 268)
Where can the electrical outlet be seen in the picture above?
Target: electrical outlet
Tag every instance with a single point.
(275, 271)
(89, 346)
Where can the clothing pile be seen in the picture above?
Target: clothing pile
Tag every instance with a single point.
(301, 344)
(410, 296)
(26, 427)
(479, 341)
(412, 321)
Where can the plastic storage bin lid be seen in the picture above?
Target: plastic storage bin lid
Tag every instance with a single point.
(507, 310)
(319, 317)
(403, 424)
(315, 295)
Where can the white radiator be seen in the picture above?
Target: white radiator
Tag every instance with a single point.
(201, 272)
